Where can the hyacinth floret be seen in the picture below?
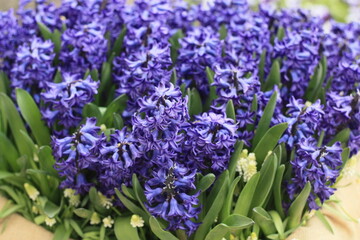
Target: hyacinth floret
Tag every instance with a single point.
(117, 156)
(33, 68)
(210, 142)
(318, 165)
(74, 156)
(168, 196)
(64, 101)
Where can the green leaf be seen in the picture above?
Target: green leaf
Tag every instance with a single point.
(76, 228)
(323, 219)
(118, 121)
(297, 207)
(119, 41)
(173, 78)
(205, 182)
(278, 223)
(15, 123)
(280, 33)
(216, 205)
(262, 66)
(139, 192)
(105, 78)
(91, 110)
(159, 232)
(267, 176)
(342, 136)
(237, 222)
(264, 220)
(56, 39)
(234, 159)
(5, 174)
(225, 212)
(6, 210)
(223, 31)
(218, 232)
(9, 152)
(128, 192)
(230, 110)
(4, 83)
(246, 196)
(274, 77)
(212, 93)
(51, 209)
(265, 120)
(33, 117)
(124, 230)
(95, 200)
(269, 141)
(61, 233)
(83, 213)
(194, 103)
(44, 30)
(315, 84)
(277, 190)
(132, 207)
(175, 45)
(345, 155)
(116, 106)
(47, 161)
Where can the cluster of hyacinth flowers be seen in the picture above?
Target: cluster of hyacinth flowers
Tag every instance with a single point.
(169, 120)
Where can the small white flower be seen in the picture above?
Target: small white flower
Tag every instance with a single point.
(74, 199)
(136, 221)
(95, 219)
(246, 165)
(104, 201)
(35, 210)
(50, 221)
(108, 222)
(31, 191)
(68, 192)
(253, 236)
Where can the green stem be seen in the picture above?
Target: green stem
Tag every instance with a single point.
(181, 234)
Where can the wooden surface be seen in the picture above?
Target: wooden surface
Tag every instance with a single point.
(16, 227)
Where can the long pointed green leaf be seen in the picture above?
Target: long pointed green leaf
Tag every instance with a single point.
(297, 207)
(32, 116)
(245, 198)
(269, 141)
(265, 184)
(123, 229)
(15, 122)
(159, 232)
(265, 120)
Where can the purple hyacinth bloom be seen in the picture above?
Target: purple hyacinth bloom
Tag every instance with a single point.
(140, 72)
(33, 69)
(210, 141)
(117, 160)
(159, 124)
(83, 47)
(317, 165)
(304, 121)
(64, 101)
(218, 12)
(168, 196)
(201, 47)
(232, 83)
(299, 51)
(11, 36)
(74, 156)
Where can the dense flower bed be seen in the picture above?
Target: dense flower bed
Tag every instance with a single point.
(171, 120)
